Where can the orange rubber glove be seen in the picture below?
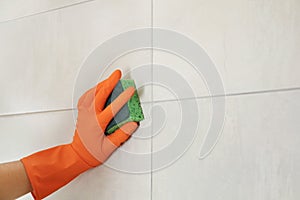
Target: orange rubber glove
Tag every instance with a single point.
(53, 168)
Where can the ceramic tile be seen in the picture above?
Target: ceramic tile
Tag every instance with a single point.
(106, 183)
(175, 78)
(256, 157)
(14, 9)
(42, 56)
(254, 45)
(24, 134)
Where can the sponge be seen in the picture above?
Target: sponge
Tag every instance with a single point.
(131, 111)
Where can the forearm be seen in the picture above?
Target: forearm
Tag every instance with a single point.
(13, 180)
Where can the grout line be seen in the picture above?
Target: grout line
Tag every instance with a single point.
(227, 95)
(152, 92)
(45, 11)
(167, 100)
(36, 112)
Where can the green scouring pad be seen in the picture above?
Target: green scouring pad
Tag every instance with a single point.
(132, 111)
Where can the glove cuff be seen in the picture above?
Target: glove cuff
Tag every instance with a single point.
(50, 169)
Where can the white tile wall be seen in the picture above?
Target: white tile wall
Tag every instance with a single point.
(257, 156)
(254, 45)
(105, 183)
(24, 134)
(13, 9)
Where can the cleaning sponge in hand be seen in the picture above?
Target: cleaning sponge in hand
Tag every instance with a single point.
(132, 111)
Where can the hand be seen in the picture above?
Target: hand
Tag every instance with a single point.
(53, 168)
(93, 119)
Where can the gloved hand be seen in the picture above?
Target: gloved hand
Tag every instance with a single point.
(53, 168)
